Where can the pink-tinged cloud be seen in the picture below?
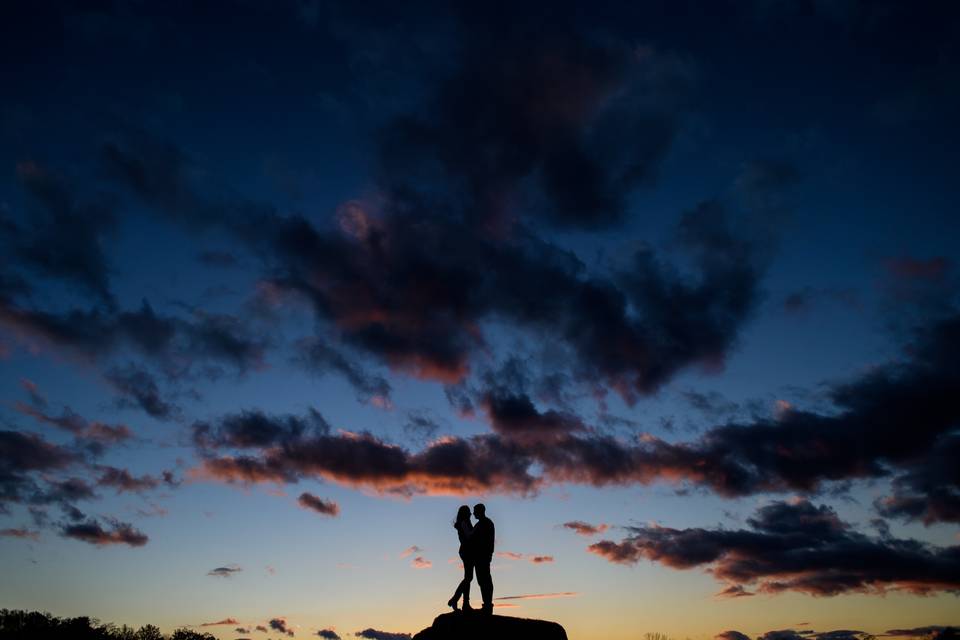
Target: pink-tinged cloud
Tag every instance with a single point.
(36, 396)
(318, 505)
(25, 534)
(541, 596)
(421, 563)
(76, 424)
(794, 546)
(409, 551)
(802, 451)
(93, 532)
(733, 591)
(533, 559)
(586, 529)
(218, 623)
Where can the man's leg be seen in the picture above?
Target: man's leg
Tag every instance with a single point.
(485, 583)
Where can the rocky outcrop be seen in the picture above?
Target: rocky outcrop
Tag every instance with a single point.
(474, 625)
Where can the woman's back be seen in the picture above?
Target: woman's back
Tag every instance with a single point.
(464, 530)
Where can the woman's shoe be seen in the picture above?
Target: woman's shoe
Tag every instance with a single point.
(452, 603)
(466, 605)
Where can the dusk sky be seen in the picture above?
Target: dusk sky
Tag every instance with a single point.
(671, 287)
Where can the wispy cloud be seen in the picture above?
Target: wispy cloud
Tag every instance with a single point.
(541, 596)
(20, 532)
(585, 528)
(319, 505)
(531, 558)
(225, 621)
(225, 572)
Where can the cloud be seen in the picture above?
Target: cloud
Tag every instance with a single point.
(292, 447)
(794, 547)
(27, 460)
(321, 506)
(64, 234)
(92, 532)
(929, 489)
(731, 635)
(94, 432)
(420, 563)
(138, 388)
(585, 529)
(933, 632)
(863, 437)
(413, 282)
(255, 429)
(122, 480)
(20, 532)
(842, 634)
(225, 572)
(409, 551)
(557, 101)
(280, 624)
(376, 634)
(541, 596)
(225, 621)
(866, 436)
(177, 345)
(616, 327)
(533, 559)
(514, 415)
(733, 591)
(328, 634)
(320, 357)
(37, 398)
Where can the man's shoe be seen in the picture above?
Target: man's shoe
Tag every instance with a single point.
(487, 609)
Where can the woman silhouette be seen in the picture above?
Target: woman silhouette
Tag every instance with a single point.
(464, 530)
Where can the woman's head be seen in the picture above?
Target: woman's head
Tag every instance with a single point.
(463, 513)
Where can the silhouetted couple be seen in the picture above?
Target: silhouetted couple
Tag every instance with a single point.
(476, 552)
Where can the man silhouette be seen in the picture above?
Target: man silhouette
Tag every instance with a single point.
(483, 537)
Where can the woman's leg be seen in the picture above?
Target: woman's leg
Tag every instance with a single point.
(467, 579)
(464, 587)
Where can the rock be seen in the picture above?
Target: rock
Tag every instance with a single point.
(477, 626)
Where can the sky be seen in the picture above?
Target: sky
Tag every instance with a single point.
(671, 287)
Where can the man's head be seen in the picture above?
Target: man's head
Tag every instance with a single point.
(479, 511)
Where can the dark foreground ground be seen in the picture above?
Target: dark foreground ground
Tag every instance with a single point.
(477, 626)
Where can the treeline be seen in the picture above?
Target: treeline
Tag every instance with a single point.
(33, 625)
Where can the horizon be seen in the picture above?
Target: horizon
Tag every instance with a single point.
(670, 287)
